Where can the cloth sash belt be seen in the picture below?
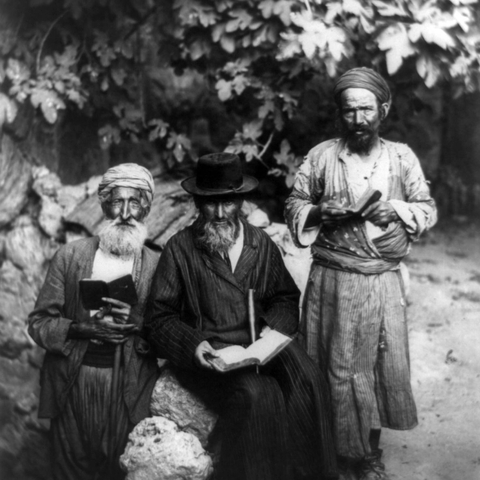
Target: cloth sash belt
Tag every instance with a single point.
(100, 355)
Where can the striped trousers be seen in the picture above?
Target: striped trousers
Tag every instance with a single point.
(354, 327)
(272, 426)
(81, 433)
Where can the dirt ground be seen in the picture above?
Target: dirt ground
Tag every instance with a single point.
(444, 325)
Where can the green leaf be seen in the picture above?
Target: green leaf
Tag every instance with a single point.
(159, 130)
(227, 42)
(282, 9)
(285, 155)
(433, 34)
(224, 89)
(218, 31)
(389, 9)
(395, 41)
(17, 71)
(179, 144)
(266, 7)
(199, 48)
(239, 83)
(250, 151)
(428, 69)
(354, 7)
(266, 108)
(118, 75)
(252, 130)
(241, 19)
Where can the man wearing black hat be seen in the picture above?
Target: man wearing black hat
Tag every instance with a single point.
(354, 320)
(273, 425)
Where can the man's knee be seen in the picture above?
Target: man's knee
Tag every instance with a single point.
(257, 392)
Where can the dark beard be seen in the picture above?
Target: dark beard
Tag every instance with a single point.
(360, 143)
(216, 237)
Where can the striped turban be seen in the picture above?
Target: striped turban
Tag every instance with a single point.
(363, 78)
(127, 175)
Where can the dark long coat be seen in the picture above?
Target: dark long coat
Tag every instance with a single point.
(273, 426)
(59, 304)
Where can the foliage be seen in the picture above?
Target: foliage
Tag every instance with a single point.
(259, 57)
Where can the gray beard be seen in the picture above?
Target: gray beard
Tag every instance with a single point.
(120, 240)
(216, 237)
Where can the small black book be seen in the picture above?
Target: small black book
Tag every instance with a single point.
(92, 291)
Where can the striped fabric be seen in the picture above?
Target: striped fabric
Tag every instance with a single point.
(195, 296)
(355, 327)
(272, 426)
(81, 435)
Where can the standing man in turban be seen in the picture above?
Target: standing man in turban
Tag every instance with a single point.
(354, 322)
(77, 372)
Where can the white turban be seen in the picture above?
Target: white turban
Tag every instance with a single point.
(127, 175)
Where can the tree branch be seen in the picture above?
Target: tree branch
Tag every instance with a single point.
(42, 43)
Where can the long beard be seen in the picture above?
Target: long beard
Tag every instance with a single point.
(122, 239)
(216, 237)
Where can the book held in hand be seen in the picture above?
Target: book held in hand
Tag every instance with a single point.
(92, 291)
(368, 198)
(258, 353)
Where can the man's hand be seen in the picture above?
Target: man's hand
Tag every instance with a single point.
(120, 311)
(202, 353)
(327, 213)
(102, 326)
(380, 214)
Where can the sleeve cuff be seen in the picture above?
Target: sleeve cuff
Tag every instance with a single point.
(306, 236)
(402, 209)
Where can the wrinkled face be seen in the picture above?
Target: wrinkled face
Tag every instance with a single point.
(361, 116)
(219, 210)
(125, 204)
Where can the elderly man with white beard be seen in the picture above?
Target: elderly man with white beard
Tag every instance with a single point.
(78, 369)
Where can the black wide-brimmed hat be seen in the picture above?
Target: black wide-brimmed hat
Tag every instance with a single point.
(219, 174)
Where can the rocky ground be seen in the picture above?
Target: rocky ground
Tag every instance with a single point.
(444, 324)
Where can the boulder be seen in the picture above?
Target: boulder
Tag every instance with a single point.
(158, 450)
(172, 401)
(297, 260)
(28, 248)
(15, 180)
(17, 297)
(56, 200)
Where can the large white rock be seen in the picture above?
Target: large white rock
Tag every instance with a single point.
(174, 402)
(158, 450)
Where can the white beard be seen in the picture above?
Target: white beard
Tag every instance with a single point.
(122, 240)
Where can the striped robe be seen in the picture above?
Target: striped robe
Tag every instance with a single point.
(354, 316)
(272, 426)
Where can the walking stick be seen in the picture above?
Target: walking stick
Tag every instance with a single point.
(113, 410)
(251, 319)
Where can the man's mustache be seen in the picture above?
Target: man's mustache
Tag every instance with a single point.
(122, 223)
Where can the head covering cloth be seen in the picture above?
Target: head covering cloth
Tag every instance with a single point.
(366, 78)
(127, 175)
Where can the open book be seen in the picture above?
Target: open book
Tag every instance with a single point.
(368, 198)
(258, 353)
(92, 291)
